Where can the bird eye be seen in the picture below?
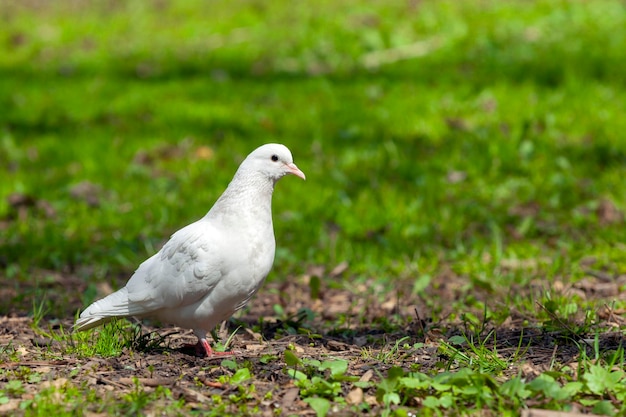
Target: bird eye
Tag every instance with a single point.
(274, 158)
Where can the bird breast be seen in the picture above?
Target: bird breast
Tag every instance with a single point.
(248, 258)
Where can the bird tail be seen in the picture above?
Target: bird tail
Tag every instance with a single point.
(103, 311)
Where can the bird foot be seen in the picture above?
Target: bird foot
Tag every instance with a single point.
(203, 349)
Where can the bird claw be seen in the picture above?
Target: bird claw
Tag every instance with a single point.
(203, 348)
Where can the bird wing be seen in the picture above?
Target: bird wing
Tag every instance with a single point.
(185, 270)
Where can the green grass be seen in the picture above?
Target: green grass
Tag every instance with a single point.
(475, 139)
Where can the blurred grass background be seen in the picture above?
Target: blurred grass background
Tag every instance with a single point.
(431, 132)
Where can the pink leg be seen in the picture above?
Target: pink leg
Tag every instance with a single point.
(203, 347)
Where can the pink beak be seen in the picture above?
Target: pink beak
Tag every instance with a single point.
(293, 169)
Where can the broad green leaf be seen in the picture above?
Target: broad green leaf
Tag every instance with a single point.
(391, 398)
(279, 310)
(430, 402)
(600, 379)
(337, 367)
(395, 372)
(321, 406)
(604, 408)
(573, 388)
(266, 358)
(240, 376)
(515, 387)
(415, 381)
(229, 363)
(313, 363)
(446, 400)
(297, 375)
(549, 387)
(588, 402)
(291, 359)
(471, 318)
(457, 340)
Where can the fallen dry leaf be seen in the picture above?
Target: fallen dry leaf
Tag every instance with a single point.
(355, 396)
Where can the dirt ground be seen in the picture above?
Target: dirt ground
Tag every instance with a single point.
(356, 324)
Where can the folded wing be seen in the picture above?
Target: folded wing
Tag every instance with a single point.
(181, 273)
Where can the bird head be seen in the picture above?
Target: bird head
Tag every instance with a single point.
(273, 160)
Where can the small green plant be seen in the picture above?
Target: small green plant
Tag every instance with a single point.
(39, 310)
(137, 399)
(222, 347)
(563, 315)
(14, 388)
(465, 352)
(107, 340)
(318, 381)
(8, 353)
(134, 338)
(113, 337)
(291, 324)
(399, 348)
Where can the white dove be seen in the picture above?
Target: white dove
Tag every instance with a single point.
(210, 268)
